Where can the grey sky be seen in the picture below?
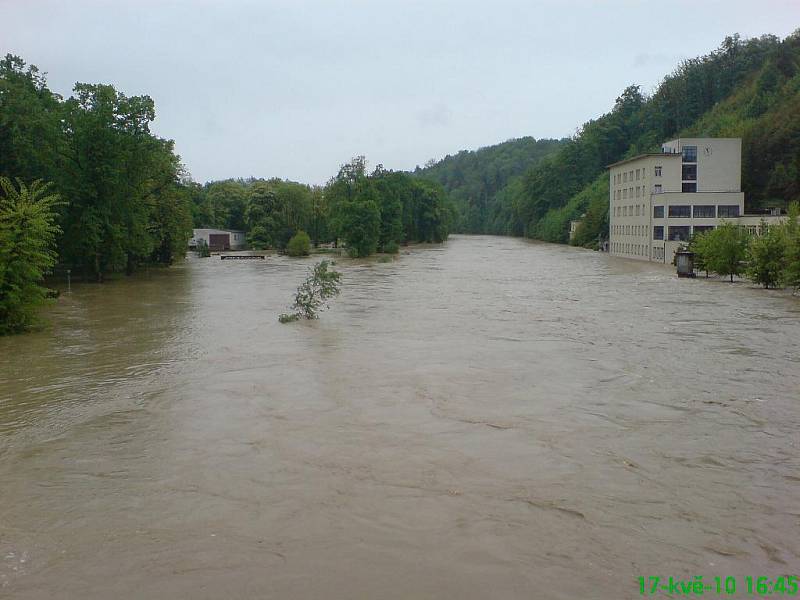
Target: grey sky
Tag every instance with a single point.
(293, 88)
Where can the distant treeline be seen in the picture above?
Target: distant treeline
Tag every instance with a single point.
(483, 183)
(745, 88)
(367, 212)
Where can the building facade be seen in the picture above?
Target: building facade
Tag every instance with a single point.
(658, 200)
(218, 239)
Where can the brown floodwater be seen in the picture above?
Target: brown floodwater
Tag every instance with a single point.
(492, 418)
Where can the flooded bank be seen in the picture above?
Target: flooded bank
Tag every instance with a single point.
(490, 418)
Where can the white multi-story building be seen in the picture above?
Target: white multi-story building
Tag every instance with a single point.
(659, 200)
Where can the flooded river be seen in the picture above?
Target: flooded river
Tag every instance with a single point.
(492, 418)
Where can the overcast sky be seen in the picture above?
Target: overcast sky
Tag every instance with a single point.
(294, 88)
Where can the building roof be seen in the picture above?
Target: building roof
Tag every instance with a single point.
(620, 162)
(212, 230)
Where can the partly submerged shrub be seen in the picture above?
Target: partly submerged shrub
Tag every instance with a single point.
(299, 245)
(321, 285)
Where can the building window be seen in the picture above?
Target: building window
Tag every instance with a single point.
(658, 232)
(728, 211)
(657, 188)
(698, 229)
(625, 194)
(625, 177)
(689, 172)
(688, 187)
(680, 212)
(708, 211)
(637, 174)
(680, 233)
(689, 154)
(658, 172)
(658, 212)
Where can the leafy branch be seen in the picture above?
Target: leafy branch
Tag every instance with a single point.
(321, 285)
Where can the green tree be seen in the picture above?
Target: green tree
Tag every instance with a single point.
(31, 137)
(266, 219)
(767, 256)
(354, 212)
(391, 188)
(699, 244)
(28, 232)
(359, 222)
(121, 182)
(726, 249)
(791, 273)
(224, 205)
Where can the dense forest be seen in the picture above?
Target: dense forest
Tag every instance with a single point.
(745, 88)
(122, 200)
(480, 182)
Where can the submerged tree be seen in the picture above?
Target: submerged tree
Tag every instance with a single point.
(726, 249)
(321, 285)
(27, 238)
(767, 260)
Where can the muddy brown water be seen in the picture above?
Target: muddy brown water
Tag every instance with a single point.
(492, 418)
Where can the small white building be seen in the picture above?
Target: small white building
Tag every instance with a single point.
(218, 239)
(573, 227)
(659, 200)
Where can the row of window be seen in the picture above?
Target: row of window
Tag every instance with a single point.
(639, 230)
(637, 250)
(628, 211)
(627, 248)
(626, 193)
(679, 233)
(698, 211)
(627, 176)
(681, 211)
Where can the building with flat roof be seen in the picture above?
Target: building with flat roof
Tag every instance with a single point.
(218, 239)
(658, 200)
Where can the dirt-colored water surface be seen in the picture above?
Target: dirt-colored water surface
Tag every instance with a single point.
(491, 418)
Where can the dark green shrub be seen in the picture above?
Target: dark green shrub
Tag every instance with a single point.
(27, 236)
(391, 247)
(299, 245)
